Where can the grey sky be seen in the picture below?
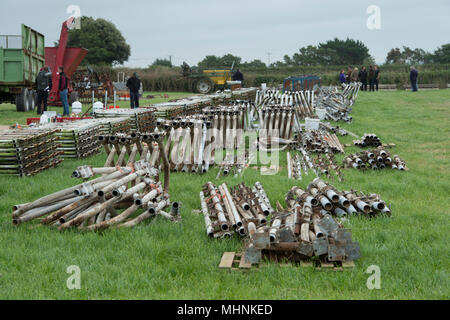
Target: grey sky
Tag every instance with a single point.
(190, 30)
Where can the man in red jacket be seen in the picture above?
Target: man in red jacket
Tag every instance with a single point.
(63, 90)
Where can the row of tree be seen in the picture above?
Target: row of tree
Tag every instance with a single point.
(107, 45)
(418, 56)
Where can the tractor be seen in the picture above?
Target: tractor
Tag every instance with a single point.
(206, 80)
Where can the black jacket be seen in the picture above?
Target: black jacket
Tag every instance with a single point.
(134, 84)
(413, 75)
(362, 76)
(44, 81)
(238, 76)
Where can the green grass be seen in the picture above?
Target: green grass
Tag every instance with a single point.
(161, 260)
(9, 116)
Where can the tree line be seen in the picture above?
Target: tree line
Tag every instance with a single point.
(107, 46)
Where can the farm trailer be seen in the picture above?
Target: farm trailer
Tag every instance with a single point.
(21, 58)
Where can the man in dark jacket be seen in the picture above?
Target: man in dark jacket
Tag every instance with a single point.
(43, 87)
(238, 76)
(134, 84)
(377, 76)
(371, 79)
(63, 88)
(413, 77)
(363, 78)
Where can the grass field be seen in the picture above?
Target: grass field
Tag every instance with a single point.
(9, 116)
(161, 260)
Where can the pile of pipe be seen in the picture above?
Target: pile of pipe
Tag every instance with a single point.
(301, 232)
(368, 140)
(375, 159)
(317, 141)
(78, 139)
(189, 145)
(25, 152)
(277, 122)
(335, 129)
(141, 119)
(94, 204)
(240, 211)
(302, 102)
(320, 165)
(322, 197)
(336, 105)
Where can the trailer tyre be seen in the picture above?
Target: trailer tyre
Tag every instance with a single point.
(73, 97)
(31, 99)
(22, 101)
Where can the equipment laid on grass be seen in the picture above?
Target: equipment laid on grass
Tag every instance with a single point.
(320, 165)
(335, 105)
(141, 119)
(376, 159)
(25, 152)
(93, 204)
(317, 141)
(239, 211)
(320, 195)
(368, 140)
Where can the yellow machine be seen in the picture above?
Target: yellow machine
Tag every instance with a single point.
(206, 80)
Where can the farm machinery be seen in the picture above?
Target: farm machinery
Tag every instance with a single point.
(206, 80)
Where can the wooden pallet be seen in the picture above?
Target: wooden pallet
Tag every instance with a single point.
(234, 261)
(334, 266)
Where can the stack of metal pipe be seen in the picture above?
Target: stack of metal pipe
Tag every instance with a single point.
(335, 129)
(141, 119)
(240, 211)
(320, 165)
(336, 105)
(302, 232)
(25, 152)
(278, 122)
(317, 141)
(368, 140)
(375, 159)
(94, 204)
(323, 197)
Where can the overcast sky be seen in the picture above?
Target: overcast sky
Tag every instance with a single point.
(190, 30)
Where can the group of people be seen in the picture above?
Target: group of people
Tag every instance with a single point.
(371, 77)
(44, 85)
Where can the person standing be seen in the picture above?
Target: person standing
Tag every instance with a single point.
(342, 77)
(363, 78)
(354, 75)
(238, 76)
(63, 88)
(43, 87)
(377, 76)
(371, 79)
(413, 74)
(134, 84)
(349, 74)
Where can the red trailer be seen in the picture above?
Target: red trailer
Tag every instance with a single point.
(69, 58)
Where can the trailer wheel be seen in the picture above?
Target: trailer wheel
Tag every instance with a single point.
(31, 99)
(22, 101)
(73, 97)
